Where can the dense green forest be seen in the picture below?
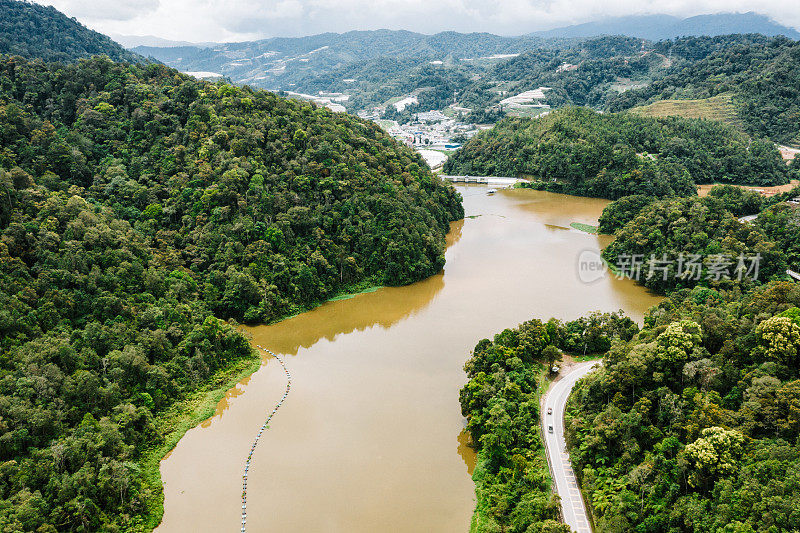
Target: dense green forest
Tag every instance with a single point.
(578, 151)
(782, 223)
(138, 207)
(671, 228)
(762, 74)
(35, 31)
(693, 424)
(501, 403)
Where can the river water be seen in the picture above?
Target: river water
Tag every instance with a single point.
(371, 438)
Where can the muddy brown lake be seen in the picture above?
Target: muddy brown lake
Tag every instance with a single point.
(371, 439)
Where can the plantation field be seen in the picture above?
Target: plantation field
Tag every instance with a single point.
(720, 108)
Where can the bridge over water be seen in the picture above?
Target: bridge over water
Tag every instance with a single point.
(489, 180)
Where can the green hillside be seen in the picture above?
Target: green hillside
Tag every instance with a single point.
(693, 424)
(762, 77)
(35, 31)
(578, 151)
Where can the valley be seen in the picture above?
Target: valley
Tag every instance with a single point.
(319, 276)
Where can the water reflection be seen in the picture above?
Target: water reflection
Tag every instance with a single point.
(466, 451)
(384, 307)
(225, 403)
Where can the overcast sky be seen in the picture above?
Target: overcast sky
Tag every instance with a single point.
(227, 20)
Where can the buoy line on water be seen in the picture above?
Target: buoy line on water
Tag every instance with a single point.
(258, 436)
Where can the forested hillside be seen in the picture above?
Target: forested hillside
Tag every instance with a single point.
(693, 425)
(583, 73)
(581, 152)
(782, 223)
(764, 78)
(482, 81)
(373, 82)
(35, 31)
(675, 227)
(138, 207)
(593, 72)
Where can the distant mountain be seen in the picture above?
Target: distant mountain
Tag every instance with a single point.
(278, 63)
(281, 63)
(36, 31)
(132, 41)
(658, 27)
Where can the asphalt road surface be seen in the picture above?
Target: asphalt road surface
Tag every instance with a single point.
(566, 485)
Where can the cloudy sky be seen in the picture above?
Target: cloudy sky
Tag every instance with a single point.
(227, 20)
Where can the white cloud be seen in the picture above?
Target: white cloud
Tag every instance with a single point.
(216, 20)
(104, 10)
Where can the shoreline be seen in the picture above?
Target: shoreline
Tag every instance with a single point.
(181, 417)
(201, 406)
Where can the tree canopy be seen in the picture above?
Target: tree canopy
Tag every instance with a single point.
(501, 403)
(693, 230)
(698, 431)
(36, 31)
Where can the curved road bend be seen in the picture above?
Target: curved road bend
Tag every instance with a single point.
(566, 485)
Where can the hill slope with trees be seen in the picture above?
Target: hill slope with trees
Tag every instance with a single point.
(138, 207)
(674, 227)
(35, 31)
(501, 404)
(692, 423)
(578, 151)
(763, 77)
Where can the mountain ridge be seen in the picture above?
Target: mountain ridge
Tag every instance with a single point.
(657, 27)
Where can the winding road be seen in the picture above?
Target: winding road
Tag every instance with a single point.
(566, 485)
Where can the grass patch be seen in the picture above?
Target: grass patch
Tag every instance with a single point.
(613, 268)
(354, 294)
(385, 124)
(393, 100)
(587, 228)
(720, 108)
(587, 357)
